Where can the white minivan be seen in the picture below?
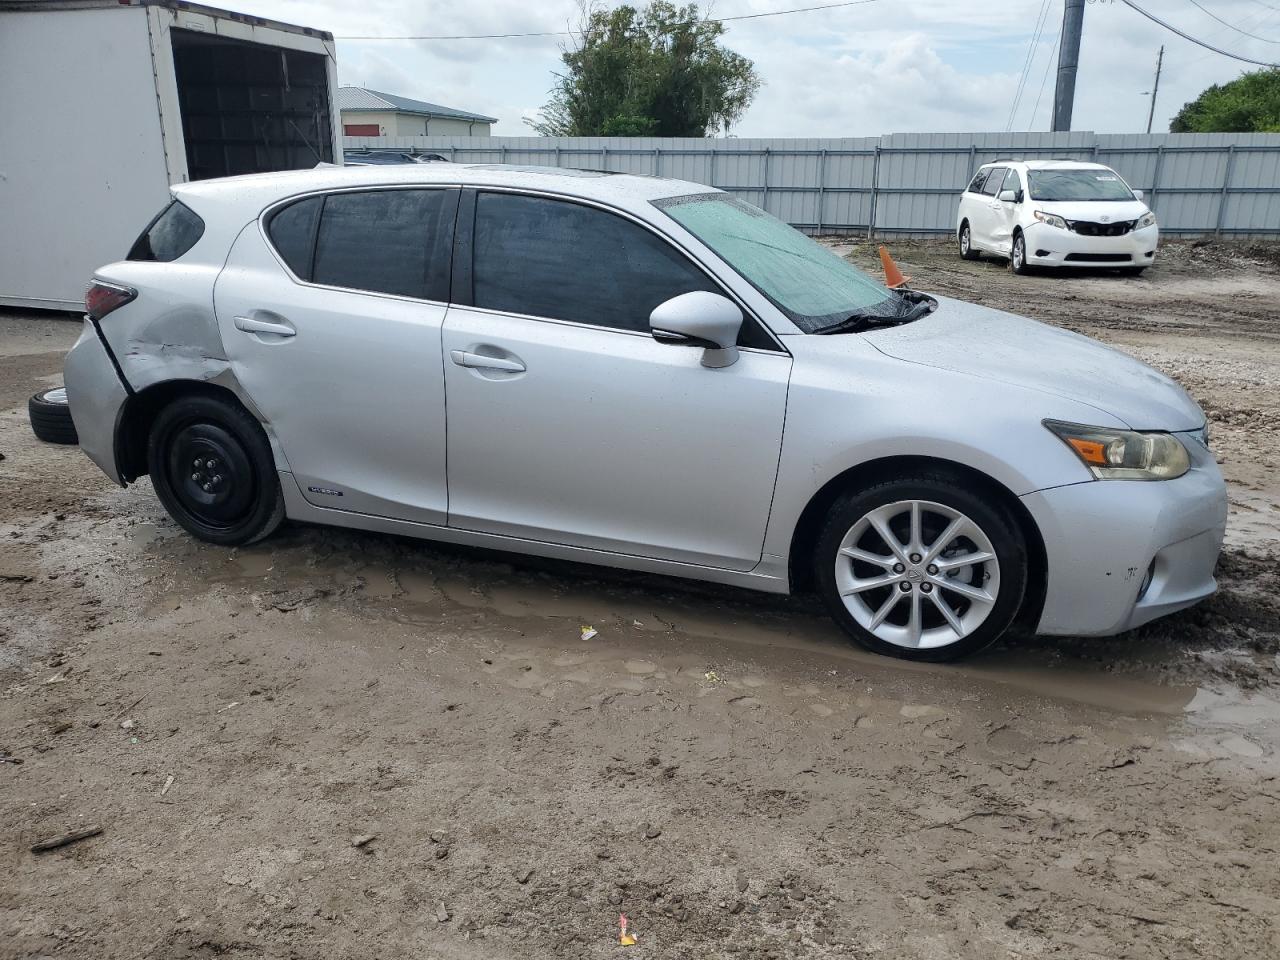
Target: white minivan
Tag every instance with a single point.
(1056, 213)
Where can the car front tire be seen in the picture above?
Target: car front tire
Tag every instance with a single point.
(1018, 257)
(921, 567)
(967, 252)
(212, 468)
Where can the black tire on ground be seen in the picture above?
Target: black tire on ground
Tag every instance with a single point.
(965, 239)
(212, 469)
(51, 418)
(1018, 256)
(940, 487)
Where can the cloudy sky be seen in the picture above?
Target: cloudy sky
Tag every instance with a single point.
(881, 67)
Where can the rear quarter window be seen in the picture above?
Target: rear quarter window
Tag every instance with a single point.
(170, 235)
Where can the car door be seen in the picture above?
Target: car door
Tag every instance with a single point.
(1004, 214)
(568, 423)
(330, 312)
(972, 203)
(985, 210)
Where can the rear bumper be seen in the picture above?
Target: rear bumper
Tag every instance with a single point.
(1054, 247)
(1102, 538)
(96, 397)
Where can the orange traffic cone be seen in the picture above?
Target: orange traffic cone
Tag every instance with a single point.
(893, 277)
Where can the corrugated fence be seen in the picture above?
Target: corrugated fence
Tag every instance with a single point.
(908, 183)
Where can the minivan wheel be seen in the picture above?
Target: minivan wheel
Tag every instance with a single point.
(212, 468)
(921, 568)
(966, 243)
(1018, 259)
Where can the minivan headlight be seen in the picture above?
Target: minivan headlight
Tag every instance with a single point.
(1148, 219)
(1052, 219)
(1124, 454)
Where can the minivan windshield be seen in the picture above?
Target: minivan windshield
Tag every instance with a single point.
(814, 287)
(1079, 184)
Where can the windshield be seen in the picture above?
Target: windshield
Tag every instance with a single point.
(1077, 185)
(806, 281)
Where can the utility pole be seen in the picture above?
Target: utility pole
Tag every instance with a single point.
(1064, 94)
(1155, 88)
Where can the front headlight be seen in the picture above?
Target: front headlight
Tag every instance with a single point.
(1124, 454)
(1052, 219)
(1148, 219)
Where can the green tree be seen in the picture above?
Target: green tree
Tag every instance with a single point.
(1248, 104)
(658, 72)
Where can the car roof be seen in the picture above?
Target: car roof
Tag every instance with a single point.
(1049, 164)
(260, 190)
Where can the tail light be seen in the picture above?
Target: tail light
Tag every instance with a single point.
(103, 297)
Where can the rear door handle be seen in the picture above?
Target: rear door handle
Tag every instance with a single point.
(465, 358)
(254, 325)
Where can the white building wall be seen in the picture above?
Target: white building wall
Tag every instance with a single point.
(412, 125)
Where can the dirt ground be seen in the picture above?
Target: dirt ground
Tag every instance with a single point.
(719, 765)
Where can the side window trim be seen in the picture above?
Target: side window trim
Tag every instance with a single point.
(463, 291)
(448, 220)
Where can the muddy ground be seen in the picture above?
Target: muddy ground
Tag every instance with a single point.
(719, 765)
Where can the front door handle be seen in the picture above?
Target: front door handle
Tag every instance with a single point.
(254, 325)
(464, 358)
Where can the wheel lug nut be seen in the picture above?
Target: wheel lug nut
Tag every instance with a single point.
(195, 477)
(217, 479)
(898, 568)
(926, 587)
(208, 488)
(915, 558)
(933, 570)
(211, 464)
(196, 463)
(904, 587)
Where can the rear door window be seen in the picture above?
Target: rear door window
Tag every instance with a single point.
(170, 235)
(995, 177)
(386, 241)
(293, 233)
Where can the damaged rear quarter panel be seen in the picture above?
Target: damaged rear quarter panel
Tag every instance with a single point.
(170, 332)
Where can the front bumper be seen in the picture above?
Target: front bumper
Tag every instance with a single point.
(1102, 538)
(1054, 247)
(96, 397)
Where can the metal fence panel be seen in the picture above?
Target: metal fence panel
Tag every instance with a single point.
(909, 183)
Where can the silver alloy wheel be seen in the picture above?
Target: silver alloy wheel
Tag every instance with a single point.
(917, 574)
(57, 395)
(964, 240)
(1019, 253)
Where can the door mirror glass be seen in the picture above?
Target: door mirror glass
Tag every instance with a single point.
(700, 319)
(1008, 196)
(1138, 194)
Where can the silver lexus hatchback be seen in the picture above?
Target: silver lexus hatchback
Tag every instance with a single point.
(641, 373)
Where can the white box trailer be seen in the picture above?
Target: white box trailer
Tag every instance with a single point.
(105, 103)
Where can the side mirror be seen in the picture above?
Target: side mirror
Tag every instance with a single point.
(1138, 194)
(700, 319)
(1008, 196)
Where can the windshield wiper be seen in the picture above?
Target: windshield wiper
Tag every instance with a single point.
(916, 306)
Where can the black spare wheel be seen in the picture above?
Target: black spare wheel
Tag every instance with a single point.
(51, 417)
(212, 468)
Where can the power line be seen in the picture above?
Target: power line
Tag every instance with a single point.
(1196, 3)
(1027, 61)
(1186, 36)
(1053, 51)
(569, 33)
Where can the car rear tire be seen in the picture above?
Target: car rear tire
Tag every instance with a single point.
(967, 252)
(212, 468)
(51, 417)
(1018, 256)
(891, 566)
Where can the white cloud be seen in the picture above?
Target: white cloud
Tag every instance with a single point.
(891, 66)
